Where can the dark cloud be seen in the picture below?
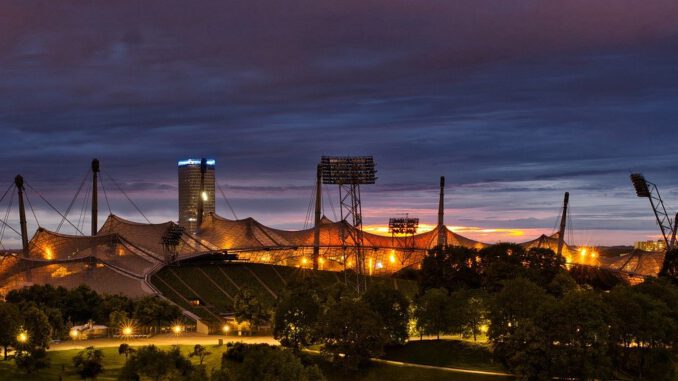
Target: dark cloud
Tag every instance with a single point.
(514, 102)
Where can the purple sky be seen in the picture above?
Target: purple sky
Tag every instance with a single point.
(514, 102)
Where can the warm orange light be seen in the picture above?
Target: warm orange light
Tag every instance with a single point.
(49, 254)
(304, 261)
(74, 333)
(127, 329)
(22, 337)
(177, 329)
(582, 252)
(226, 328)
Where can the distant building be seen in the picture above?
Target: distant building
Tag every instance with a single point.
(658, 245)
(190, 194)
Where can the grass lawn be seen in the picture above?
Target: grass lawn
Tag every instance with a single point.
(113, 362)
(446, 353)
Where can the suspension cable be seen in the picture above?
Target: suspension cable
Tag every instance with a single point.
(7, 191)
(108, 204)
(75, 197)
(329, 197)
(52, 206)
(83, 210)
(221, 190)
(32, 210)
(4, 226)
(127, 197)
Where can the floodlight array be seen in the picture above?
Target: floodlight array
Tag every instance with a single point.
(640, 184)
(348, 170)
(403, 225)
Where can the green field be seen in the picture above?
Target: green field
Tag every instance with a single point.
(62, 368)
(446, 353)
(215, 285)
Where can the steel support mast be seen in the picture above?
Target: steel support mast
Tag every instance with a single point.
(349, 172)
(95, 199)
(316, 226)
(646, 189)
(563, 222)
(19, 182)
(442, 236)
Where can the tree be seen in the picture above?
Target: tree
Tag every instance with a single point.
(392, 307)
(452, 267)
(29, 361)
(296, 318)
(36, 323)
(473, 312)
(644, 329)
(248, 307)
(527, 352)
(353, 330)
(151, 362)
(561, 284)
(579, 324)
(89, 363)
(155, 312)
(9, 321)
(433, 312)
(201, 352)
(518, 301)
(125, 349)
(266, 363)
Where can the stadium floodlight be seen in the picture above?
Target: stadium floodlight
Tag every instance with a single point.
(348, 170)
(646, 189)
(405, 225)
(640, 184)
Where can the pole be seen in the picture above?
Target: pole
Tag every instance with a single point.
(442, 237)
(95, 198)
(19, 182)
(316, 228)
(673, 234)
(563, 222)
(201, 201)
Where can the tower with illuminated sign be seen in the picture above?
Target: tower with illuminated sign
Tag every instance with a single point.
(196, 191)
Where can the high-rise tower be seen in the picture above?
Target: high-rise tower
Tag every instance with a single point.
(196, 191)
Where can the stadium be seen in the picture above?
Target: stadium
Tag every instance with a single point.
(201, 268)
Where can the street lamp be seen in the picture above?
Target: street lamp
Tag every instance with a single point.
(226, 328)
(74, 333)
(22, 337)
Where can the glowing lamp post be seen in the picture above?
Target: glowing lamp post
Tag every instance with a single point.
(22, 337)
(74, 334)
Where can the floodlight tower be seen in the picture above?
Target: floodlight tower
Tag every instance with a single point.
(349, 172)
(646, 189)
(404, 226)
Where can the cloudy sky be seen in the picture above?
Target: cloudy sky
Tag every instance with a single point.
(515, 102)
